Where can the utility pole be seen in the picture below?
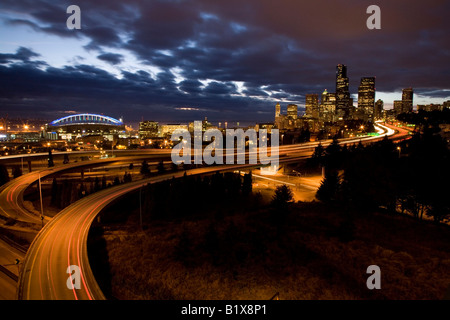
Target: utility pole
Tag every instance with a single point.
(40, 196)
(140, 206)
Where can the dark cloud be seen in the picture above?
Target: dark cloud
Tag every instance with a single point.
(278, 49)
(111, 58)
(22, 54)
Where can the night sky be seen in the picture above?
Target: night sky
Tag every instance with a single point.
(179, 61)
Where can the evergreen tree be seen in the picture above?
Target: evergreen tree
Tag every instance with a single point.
(96, 184)
(16, 172)
(247, 184)
(50, 159)
(4, 175)
(282, 198)
(329, 187)
(145, 169)
(161, 168)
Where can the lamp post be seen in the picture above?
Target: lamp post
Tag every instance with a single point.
(40, 196)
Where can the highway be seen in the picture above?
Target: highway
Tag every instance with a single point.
(63, 240)
(9, 268)
(11, 193)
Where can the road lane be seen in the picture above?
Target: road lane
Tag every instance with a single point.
(63, 241)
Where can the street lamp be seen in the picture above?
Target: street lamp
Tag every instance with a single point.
(40, 196)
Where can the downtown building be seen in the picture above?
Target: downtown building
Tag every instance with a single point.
(312, 106)
(406, 104)
(148, 129)
(344, 103)
(378, 111)
(366, 98)
(407, 99)
(328, 107)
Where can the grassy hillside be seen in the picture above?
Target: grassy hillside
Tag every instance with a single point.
(316, 252)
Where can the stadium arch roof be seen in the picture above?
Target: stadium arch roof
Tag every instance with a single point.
(86, 118)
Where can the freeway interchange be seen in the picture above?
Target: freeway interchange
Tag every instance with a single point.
(62, 242)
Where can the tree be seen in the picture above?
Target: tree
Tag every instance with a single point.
(161, 169)
(16, 172)
(282, 198)
(116, 181)
(127, 177)
(247, 184)
(333, 155)
(281, 201)
(50, 159)
(145, 169)
(96, 184)
(4, 176)
(329, 187)
(316, 159)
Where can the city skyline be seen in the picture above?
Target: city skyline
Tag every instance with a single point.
(174, 61)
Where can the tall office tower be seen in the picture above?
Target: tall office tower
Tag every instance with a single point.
(148, 129)
(312, 105)
(398, 107)
(379, 106)
(446, 104)
(366, 97)
(277, 111)
(327, 108)
(407, 98)
(342, 92)
(292, 112)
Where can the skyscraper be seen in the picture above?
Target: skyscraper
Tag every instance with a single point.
(277, 111)
(398, 107)
(327, 109)
(407, 99)
(379, 106)
(312, 105)
(343, 102)
(366, 97)
(292, 111)
(148, 129)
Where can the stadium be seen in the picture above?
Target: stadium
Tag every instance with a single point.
(80, 125)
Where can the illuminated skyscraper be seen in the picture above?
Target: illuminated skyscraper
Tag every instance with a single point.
(343, 101)
(277, 111)
(398, 107)
(148, 129)
(366, 97)
(327, 108)
(292, 111)
(379, 106)
(312, 105)
(407, 98)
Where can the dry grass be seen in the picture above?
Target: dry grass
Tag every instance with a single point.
(307, 258)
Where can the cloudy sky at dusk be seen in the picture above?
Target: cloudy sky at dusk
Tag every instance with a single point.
(179, 61)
